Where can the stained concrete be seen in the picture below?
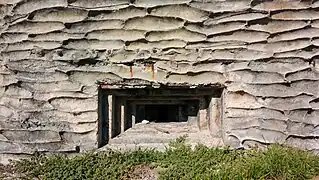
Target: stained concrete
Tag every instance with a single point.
(53, 53)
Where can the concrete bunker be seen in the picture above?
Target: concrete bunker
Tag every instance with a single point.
(125, 106)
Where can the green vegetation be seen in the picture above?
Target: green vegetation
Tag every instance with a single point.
(179, 161)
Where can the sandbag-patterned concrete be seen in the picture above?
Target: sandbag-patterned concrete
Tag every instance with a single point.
(264, 53)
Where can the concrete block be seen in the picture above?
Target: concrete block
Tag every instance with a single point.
(297, 15)
(74, 105)
(180, 34)
(277, 26)
(157, 44)
(282, 5)
(32, 5)
(95, 44)
(181, 11)
(241, 35)
(98, 3)
(125, 35)
(122, 14)
(35, 27)
(282, 46)
(88, 26)
(147, 3)
(26, 136)
(65, 15)
(253, 77)
(215, 29)
(221, 6)
(151, 23)
(234, 17)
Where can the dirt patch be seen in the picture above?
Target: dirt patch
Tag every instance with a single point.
(141, 172)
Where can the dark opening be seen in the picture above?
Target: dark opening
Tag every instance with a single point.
(161, 113)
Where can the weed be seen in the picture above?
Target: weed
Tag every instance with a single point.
(179, 161)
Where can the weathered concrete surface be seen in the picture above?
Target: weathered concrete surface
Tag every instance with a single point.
(264, 53)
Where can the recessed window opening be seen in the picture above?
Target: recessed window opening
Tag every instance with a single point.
(122, 109)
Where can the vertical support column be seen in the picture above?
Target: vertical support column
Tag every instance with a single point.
(133, 114)
(110, 114)
(122, 116)
(215, 117)
(202, 115)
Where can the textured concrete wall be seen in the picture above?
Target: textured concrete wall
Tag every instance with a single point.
(52, 52)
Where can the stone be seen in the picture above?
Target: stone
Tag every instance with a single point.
(296, 15)
(100, 4)
(6, 111)
(300, 129)
(55, 36)
(241, 100)
(234, 124)
(282, 5)
(297, 34)
(13, 37)
(95, 44)
(306, 74)
(215, 29)
(65, 15)
(147, 3)
(303, 116)
(307, 87)
(277, 26)
(184, 68)
(26, 136)
(53, 86)
(25, 105)
(303, 143)
(27, 45)
(52, 95)
(198, 78)
(74, 105)
(239, 54)
(151, 23)
(251, 77)
(263, 113)
(74, 55)
(88, 26)
(123, 56)
(125, 35)
(288, 103)
(260, 135)
(32, 5)
(222, 6)
(265, 90)
(156, 44)
(17, 92)
(282, 65)
(90, 78)
(217, 45)
(241, 35)
(122, 14)
(180, 34)
(59, 116)
(181, 11)
(234, 17)
(282, 46)
(41, 76)
(6, 80)
(35, 27)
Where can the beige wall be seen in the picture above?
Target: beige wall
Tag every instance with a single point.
(53, 52)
